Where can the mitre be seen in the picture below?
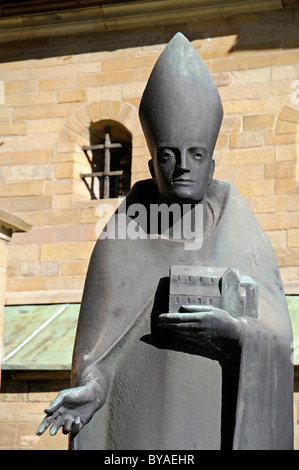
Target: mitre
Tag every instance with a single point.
(180, 104)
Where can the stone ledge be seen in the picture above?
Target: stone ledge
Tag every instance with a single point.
(10, 223)
(291, 287)
(43, 297)
(127, 15)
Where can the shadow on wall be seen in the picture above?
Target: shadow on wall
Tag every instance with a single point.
(271, 30)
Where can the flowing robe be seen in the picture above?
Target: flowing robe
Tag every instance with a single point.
(164, 393)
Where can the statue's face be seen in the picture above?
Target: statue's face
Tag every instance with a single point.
(182, 173)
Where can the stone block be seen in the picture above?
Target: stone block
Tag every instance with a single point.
(66, 251)
(63, 186)
(142, 74)
(277, 238)
(221, 79)
(75, 125)
(15, 128)
(134, 100)
(25, 284)
(56, 234)
(254, 90)
(286, 152)
(258, 75)
(289, 273)
(24, 252)
(41, 126)
(23, 204)
(20, 86)
(13, 270)
(26, 188)
(222, 141)
(29, 172)
(107, 92)
(258, 121)
(108, 78)
(40, 269)
(47, 97)
(255, 188)
(24, 157)
(70, 96)
(286, 127)
(240, 173)
(133, 89)
(277, 170)
(278, 221)
(57, 217)
(56, 83)
(269, 104)
(285, 72)
(286, 186)
(21, 113)
(279, 139)
(5, 115)
(288, 203)
(71, 170)
(255, 61)
(129, 63)
(246, 139)
(241, 49)
(289, 114)
(71, 283)
(211, 53)
(293, 238)
(8, 433)
(65, 201)
(75, 268)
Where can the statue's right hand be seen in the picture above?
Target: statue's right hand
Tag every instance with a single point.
(72, 409)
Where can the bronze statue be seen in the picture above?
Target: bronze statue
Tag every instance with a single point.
(181, 346)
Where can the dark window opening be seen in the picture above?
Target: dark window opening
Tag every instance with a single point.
(109, 155)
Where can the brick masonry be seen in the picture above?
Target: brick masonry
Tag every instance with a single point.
(54, 91)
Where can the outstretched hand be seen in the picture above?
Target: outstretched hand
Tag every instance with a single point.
(72, 409)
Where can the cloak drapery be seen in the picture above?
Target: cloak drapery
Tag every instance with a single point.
(164, 393)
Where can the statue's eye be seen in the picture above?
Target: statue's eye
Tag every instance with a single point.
(198, 155)
(167, 153)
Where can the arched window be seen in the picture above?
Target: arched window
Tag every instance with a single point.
(109, 155)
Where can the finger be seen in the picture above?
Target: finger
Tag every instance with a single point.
(68, 425)
(57, 424)
(59, 400)
(45, 424)
(77, 426)
(197, 308)
(182, 317)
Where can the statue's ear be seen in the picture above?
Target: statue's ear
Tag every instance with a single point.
(211, 173)
(151, 169)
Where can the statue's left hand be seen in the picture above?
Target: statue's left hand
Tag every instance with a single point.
(206, 322)
(72, 409)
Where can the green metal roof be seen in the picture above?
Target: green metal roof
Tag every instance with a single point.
(293, 305)
(41, 337)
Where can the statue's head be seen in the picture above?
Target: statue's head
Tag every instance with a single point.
(181, 114)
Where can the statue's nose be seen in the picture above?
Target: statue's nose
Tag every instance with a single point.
(182, 161)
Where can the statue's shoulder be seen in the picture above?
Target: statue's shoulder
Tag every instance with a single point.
(220, 194)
